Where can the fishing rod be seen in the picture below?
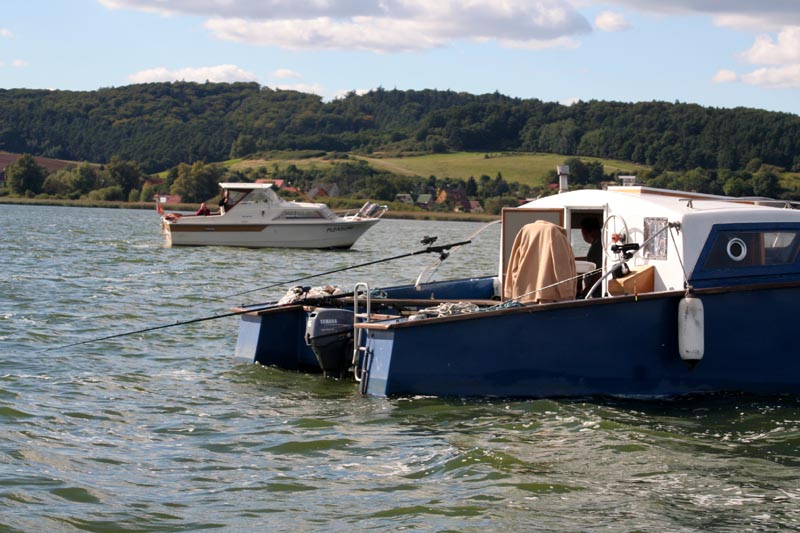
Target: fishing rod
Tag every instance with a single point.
(154, 328)
(426, 241)
(441, 249)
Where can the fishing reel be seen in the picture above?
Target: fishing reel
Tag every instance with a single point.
(627, 251)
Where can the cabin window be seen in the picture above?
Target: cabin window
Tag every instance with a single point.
(655, 247)
(737, 249)
(781, 247)
(302, 213)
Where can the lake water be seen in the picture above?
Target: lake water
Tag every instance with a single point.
(163, 432)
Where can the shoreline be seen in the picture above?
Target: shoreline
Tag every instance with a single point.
(402, 215)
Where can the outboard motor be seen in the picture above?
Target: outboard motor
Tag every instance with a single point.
(329, 333)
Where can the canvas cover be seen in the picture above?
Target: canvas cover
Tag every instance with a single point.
(540, 258)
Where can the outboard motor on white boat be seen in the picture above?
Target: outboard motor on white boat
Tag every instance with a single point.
(329, 333)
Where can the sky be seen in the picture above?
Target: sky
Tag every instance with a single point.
(717, 53)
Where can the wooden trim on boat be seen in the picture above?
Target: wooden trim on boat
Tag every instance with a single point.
(540, 308)
(223, 228)
(258, 311)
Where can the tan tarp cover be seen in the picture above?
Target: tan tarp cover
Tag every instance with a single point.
(540, 258)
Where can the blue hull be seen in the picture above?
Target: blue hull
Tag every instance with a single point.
(275, 336)
(620, 346)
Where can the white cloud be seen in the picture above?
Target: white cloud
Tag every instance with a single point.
(218, 73)
(784, 50)
(260, 9)
(724, 76)
(285, 73)
(611, 22)
(6, 33)
(741, 14)
(19, 63)
(380, 35)
(381, 26)
(786, 77)
(569, 101)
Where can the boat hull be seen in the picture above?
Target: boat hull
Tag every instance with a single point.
(204, 232)
(621, 346)
(276, 336)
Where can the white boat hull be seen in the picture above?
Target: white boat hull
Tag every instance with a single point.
(252, 215)
(205, 231)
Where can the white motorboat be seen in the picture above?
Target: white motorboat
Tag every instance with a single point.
(256, 217)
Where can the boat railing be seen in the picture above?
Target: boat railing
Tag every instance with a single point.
(360, 353)
(768, 202)
(369, 210)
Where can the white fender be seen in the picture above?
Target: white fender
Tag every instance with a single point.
(691, 328)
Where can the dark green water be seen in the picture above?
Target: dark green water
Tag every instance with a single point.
(162, 432)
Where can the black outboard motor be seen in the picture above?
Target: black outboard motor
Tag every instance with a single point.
(329, 333)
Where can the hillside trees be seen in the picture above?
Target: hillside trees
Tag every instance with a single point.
(25, 176)
(160, 125)
(126, 174)
(197, 182)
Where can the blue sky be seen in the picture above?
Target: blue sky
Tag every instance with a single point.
(721, 53)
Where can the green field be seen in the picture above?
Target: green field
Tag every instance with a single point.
(527, 168)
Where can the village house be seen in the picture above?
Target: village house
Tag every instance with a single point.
(323, 190)
(475, 206)
(424, 201)
(404, 198)
(454, 197)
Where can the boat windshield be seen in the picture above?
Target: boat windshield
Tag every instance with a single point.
(257, 196)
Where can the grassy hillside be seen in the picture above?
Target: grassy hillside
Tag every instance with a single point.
(527, 168)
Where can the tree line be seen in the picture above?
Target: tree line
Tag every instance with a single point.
(124, 180)
(161, 125)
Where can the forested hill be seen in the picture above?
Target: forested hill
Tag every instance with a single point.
(162, 124)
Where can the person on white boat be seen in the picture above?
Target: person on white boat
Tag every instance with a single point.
(203, 211)
(223, 203)
(590, 230)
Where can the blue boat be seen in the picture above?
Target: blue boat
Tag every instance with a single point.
(687, 293)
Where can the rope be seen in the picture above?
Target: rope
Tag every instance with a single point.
(446, 309)
(680, 259)
(556, 284)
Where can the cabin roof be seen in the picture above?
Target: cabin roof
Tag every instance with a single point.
(676, 205)
(246, 186)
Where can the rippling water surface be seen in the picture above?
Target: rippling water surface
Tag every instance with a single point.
(162, 432)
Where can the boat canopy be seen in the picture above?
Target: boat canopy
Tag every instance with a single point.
(252, 192)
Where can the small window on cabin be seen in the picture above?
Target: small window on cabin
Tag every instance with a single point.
(302, 213)
(736, 249)
(655, 238)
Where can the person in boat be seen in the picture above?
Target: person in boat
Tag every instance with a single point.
(223, 203)
(203, 211)
(590, 230)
